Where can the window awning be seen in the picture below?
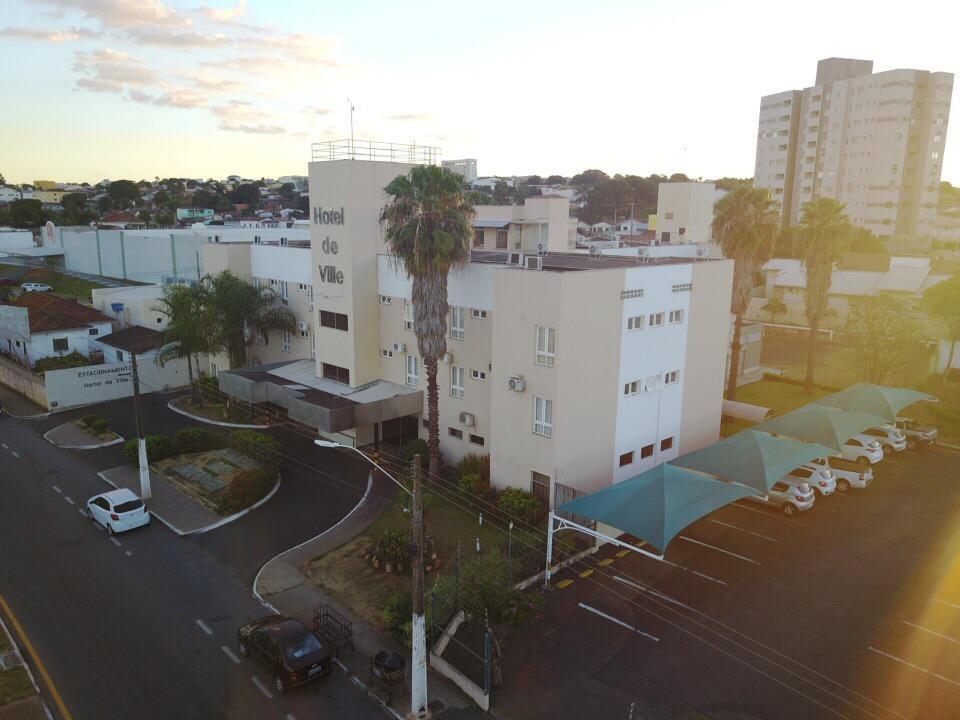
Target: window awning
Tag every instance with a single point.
(876, 399)
(821, 424)
(752, 458)
(490, 223)
(657, 504)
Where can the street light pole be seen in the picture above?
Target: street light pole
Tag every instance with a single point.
(145, 491)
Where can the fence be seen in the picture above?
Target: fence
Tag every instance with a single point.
(24, 381)
(333, 627)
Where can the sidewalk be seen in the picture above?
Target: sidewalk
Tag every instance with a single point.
(281, 585)
(19, 406)
(71, 437)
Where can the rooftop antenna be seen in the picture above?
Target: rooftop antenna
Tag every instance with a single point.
(352, 154)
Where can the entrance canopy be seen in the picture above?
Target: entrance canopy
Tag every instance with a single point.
(657, 504)
(821, 424)
(876, 399)
(752, 458)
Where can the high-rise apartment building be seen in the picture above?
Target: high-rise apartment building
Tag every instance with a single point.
(872, 141)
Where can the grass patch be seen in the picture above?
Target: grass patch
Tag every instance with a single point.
(218, 412)
(14, 685)
(74, 359)
(63, 285)
(105, 436)
(780, 397)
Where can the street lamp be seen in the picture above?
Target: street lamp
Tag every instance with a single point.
(418, 669)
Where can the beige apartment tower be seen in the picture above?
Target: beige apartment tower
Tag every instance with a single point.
(872, 141)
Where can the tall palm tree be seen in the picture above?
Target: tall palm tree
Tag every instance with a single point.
(745, 225)
(821, 240)
(186, 333)
(428, 228)
(236, 310)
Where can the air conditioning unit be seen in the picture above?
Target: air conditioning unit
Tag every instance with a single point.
(311, 307)
(595, 251)
(703, 252)
(448, 358)
(467, 419)
(515, 258)
(399, 347)
(516, 384)
(541, 248)
(652, 384)
(302, 325)
(534, 263)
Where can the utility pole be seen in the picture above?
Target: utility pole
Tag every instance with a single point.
(418, 666)
(145, 491)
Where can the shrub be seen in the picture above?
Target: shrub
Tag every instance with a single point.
(416, 447)
(98, 426)
(520, 504)
(88, 420)
(197, 439)
(396, 616)
(392, 548)
(208, 382)
(472, 463)
(248, 487)
(470, 483)
(159, 447)
(256, 445)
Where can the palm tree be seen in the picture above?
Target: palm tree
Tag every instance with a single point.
(186, 333)
(821, 240)
(744, 224)
(236, 310)
(428, 228)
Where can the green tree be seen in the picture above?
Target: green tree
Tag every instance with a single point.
(26, 213)
(862, 240)
(501, 193)
(236, 310)
(729, 183)
(745, 225)
(75, 203)
(246, 194)
(428, 228)
(3, 180)
(555, 180)
(883, 335)
(286, 192)
(775, 307)
(203, 199)
(821, 240)
(185, 336)
(943, 302)
(123, 192)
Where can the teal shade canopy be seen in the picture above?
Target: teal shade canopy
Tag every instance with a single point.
(752, 458)
(876, 399)
(821, 424)
(657, 504)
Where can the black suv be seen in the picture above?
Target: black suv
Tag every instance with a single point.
(288, 648)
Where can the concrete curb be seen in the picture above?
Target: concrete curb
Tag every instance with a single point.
(26, 666)
(117, 441)
(208, 421)
(211, 526)
(38, 416)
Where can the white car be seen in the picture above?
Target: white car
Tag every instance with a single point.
(819, 478)
(118, 510)
(891, 438)
(35, 287)
(862, 449)
(846, 474)
(790, 494)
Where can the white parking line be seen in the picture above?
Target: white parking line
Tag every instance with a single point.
(261, 687)
(5, 446)
(97, 525)
(932, 632)
(56, 488)
(618, 622)
(758, 510)
(203, 626)
(291, 716)
(129, 554)
(720, 550)
(695, 572)
(945, 602)
(230, 654)
(748, 532)
(115, 541)
(651, 591)
(68, 499)
(915, 667)
(82, 511)
(15, 453)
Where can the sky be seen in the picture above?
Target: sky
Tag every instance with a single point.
(97, 89)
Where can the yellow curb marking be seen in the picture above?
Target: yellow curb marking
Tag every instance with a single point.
(564, 583)
(605, 561)
(623, 553)
(587, 573)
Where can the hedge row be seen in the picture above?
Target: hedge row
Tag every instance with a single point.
(255, 445)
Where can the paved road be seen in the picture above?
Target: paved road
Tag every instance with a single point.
(117, 623)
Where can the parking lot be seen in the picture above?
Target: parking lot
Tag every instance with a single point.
(849, 610)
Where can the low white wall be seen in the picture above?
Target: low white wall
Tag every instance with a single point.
(73, 387)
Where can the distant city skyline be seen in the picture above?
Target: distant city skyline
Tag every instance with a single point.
(128, 89)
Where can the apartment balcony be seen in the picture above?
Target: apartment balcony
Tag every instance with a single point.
(374, 150)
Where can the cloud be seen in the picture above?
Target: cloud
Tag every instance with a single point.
(99, 85)
(52, 36)
(408, 116)
(248, 64)
(243, 116)
(315, 110)
(110, 70)
(174, 39)
(123, 13)
(224, 15)
(303, 48)
(179, 98)
(218, 85)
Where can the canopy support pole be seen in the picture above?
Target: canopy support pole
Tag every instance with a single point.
(556, 523)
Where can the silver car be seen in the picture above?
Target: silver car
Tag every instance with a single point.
(791, 495)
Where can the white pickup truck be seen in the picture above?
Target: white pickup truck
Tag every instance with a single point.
(848, 474)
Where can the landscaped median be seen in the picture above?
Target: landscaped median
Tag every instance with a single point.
(18, 694)
(210, 405)
(87, 433)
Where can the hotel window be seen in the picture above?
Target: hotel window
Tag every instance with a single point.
(668, 216)
(672, 377)
(666, 444)
(338, 374)
(656, 319)
(546, 346)
(676, 316)
(301, 286)
(120, 355)
(477, 440)
(413, 370)
(501, 239)
(479, 314)
(408, 315)
(646, 451)
(631, 388)
(286, 341)
(93, 331)
(626, 459)
(454, 432)
(456, 323)
(478, 238)
(60, 345)
(304, 330)
(273, 282)
(478, 375)
(635, 322)
(385, 299)
(284, 294)
(386, 353)
(337, 321)
(542, 416)
(260, 339)
(456, 381)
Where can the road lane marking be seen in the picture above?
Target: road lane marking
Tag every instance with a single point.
(5, 446)
(57, 489)
(203, 626)
(129, 554)
(945, 602)
(15, 453)
(115, 541)
(261, 687)
(611, 618)
(68, 499)
(932, 632)
(37, 662)
(915, 667)
(748, 532)
(230, 654)
(720, 550)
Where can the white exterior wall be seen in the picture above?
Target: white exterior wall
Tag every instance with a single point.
(691, 206)
(15, 239)
(78, 339)
(140, 305)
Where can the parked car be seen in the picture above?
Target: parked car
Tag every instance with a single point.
(916, 433)
(890, 439)
(819, 478)
(285, 645)
(118, 510)
(35, 287)
(791, 495)
(862, 449)
(847, 474)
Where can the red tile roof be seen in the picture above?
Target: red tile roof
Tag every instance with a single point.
(135, 339)
(48, 312)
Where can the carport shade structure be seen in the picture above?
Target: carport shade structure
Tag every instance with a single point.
(657, 504)
(815, 423)
(876, 399)
(752, 458)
